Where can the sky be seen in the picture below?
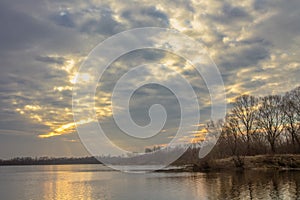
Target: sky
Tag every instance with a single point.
(254, 43)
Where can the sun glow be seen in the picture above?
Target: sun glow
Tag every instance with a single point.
(65, 129)
(81, 78)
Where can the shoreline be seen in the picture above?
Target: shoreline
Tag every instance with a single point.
(258, 162)
(234, 163)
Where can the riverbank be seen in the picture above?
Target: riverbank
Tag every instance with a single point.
(259, 162)
(48, 161)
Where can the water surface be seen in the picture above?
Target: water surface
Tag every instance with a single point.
(98, 182)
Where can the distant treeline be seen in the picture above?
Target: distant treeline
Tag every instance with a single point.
(48, 161)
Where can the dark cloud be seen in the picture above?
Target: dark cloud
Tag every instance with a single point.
(230, 14)
(145, 16)
(155, 13)
(282, 28)
(51, 59)
(18, 29)
(243, 56)
(30, 29)
(106, 25)
(63, 18)
(260, 5)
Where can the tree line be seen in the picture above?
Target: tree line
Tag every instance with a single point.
(48, 161)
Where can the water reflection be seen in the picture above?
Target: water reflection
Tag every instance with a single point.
(66, 184)
(96, 182)
(250, 185)
(237, 185)
(253, 185)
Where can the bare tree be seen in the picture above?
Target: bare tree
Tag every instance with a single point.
(295, 97)
(245, 110)
(256, 126)
(271, 119)
(291, 106)
(213, 130)
(230, 134)
(232, 138)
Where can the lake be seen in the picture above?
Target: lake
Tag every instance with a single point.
(98, 182)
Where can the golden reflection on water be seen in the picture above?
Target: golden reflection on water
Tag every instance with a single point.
(62, 182)
(96, 182)
(66, 184)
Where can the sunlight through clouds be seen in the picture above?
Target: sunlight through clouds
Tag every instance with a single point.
(65, 129)
(254, 43)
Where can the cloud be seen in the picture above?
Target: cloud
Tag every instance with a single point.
(255, 44)
(145, 17)
(25, 30)
(63, 18)
(281, 28)
(230, 14)
(102, 22)
(19, 29)
(51, 59)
